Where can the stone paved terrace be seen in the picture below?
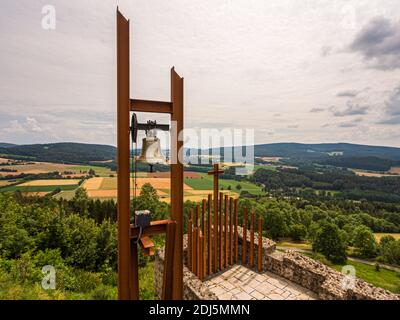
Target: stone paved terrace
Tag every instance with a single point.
(242, 283)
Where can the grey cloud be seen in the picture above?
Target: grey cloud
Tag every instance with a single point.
(326, 51)
(350, 110)
(316, 110)
(393, 104)
(350, 124)
(390, 121)
(392, 109)
(348, 93)
(379, 42)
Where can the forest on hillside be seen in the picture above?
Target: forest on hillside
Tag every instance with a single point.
(78, 238)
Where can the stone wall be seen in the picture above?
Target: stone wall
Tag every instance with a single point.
(193, 288)
(312, 274)
(326, 282)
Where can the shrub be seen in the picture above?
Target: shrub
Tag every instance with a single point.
(330, 243)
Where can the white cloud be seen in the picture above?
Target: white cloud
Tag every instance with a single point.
(259, 64)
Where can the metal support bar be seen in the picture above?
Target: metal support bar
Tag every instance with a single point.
(139, 105)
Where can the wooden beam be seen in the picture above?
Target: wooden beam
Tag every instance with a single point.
(134, 274)
(236, 245)
(204, 232)
(230, 230)
(128, 287)
(147, 245)
(156, 227)
(209, 221)
(221, 219)
(244, 242)
(251, 258)
(177, 179)
(215, 222)
(189, 234)
(138, 105)
(259, 258)
(226, 240)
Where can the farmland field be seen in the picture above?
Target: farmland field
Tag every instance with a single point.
(37, 188)
(371, 174)
(378, 236)
(205, 182)
(101, 171)
(34, 167)
(106, 187)
(395, 170)
(53, 182)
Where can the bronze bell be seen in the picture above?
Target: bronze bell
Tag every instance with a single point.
(151, 150)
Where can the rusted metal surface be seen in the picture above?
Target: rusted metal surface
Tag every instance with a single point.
(221, 235)
(251, 257)
(156, 227)
(177, 181)
(139, 105)
(226, 211)
(127, 273)
(236, 237)
(190, 251)
(230, 231)
(259, 255)
(216, 172)
(209, 234)
(244, 244)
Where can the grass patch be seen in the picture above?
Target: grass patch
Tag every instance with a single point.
(146, 280)
(386, 279)
(37, 188)
(205, 182)
(378, 236)
(100, 171)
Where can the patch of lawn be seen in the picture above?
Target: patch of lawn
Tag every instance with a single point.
(205, 182)
(37, 188)
(386, 279)
(146, 280)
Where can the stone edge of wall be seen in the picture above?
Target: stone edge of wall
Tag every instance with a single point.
(193, 288)
(326, 282)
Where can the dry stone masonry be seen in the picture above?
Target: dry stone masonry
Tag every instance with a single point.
(286, 275)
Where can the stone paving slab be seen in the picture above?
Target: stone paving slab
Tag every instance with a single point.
(242, 283)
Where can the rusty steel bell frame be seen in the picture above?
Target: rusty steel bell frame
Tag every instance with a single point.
(128, 280)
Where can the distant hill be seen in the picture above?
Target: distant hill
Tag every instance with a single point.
(65, 152)
(6, 145)
(335, 154)
(326, 150)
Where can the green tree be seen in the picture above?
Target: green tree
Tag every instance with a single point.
(276, 223)
(80, 202)
(364, 242)
(390, 252)
(298, 232)
(330, 243)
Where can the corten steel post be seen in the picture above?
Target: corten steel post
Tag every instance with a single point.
(127, 275)
(177, 180)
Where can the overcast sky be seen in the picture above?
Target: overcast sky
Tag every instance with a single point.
(295, 71)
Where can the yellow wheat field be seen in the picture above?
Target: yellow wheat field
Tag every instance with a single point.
(93, 183)
(53, 182)
(113, 193)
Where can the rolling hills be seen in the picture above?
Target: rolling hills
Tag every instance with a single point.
(336, 154)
